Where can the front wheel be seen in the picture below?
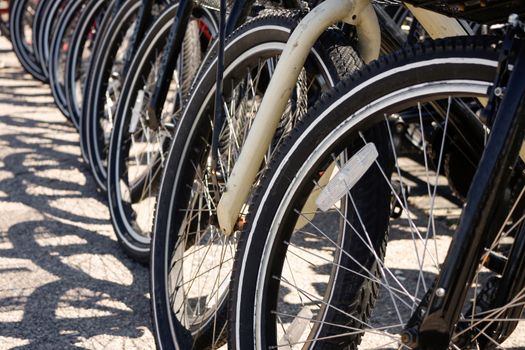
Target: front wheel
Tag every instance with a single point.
(79, 56)
(137, 150)
(191, 259)
(339, 248)
(59, 49)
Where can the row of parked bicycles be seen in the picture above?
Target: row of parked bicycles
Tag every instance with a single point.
(301, 174)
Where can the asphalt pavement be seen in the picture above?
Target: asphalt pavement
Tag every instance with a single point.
(64, 281)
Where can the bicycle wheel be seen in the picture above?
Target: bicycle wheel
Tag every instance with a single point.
(346, 235)
(21, 15)
(47, 29)
(137, 150)
(79, 56)
(105, 45)
(103, 91)
(190, 258)
(38, 20)
(60, 45)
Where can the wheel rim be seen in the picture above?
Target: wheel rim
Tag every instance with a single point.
(304, 302)
(140, 163)
(145, 150)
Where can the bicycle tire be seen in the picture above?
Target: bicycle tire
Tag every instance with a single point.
(45, 35)
(251, 49)
(104, 45)
(38, 20)
(20, 11)
(58, 52)
(131, 228)
(78, 59)
(105, 80)
(351, 289)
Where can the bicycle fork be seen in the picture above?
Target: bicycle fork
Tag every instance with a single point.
(359, 13)
(169, 62)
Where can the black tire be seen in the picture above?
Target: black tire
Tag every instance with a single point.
(47, 29)
(60, 44)
(104, 89)
(21, 15)
(79, 56)
(108, 29)
(131, 196)
(342, 288)
(92, 72)
(110, 52)
(38, 22)
(253, 48)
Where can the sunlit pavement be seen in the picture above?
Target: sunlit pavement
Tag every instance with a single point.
(64, 282)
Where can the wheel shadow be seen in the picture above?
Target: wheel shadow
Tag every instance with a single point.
(65, 282)
(36, 169)
(95, 292)
(19, 87)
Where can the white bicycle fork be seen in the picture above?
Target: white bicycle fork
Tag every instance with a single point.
(359, 13)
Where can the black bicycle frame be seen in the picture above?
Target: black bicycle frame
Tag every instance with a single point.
(169, 61)
(488, 204)
(239, 12)
(173, 48)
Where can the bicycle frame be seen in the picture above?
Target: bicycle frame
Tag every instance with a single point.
(238, 14)
(141, 27)
(358, 13)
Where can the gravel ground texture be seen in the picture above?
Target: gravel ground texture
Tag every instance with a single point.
(64, 281)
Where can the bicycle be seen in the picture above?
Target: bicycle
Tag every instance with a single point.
(108, 69)
(135, 149)
(328, 204)
(108, 65)
(90, 25)
(58, 51)
(189, 285)
(140, 138)
(44, 29)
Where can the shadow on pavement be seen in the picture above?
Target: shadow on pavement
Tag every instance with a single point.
(65, 281)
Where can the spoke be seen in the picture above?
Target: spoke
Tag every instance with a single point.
(289, 344)
(370, 246)
(371, 277)
(430, 216)
(287, 262)
(218, 283)
(337, 246)
(438, 170)
(492, 314)
(354, 331)
(413, 229)
(412, 225)
(318, 301)
(367, 242)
